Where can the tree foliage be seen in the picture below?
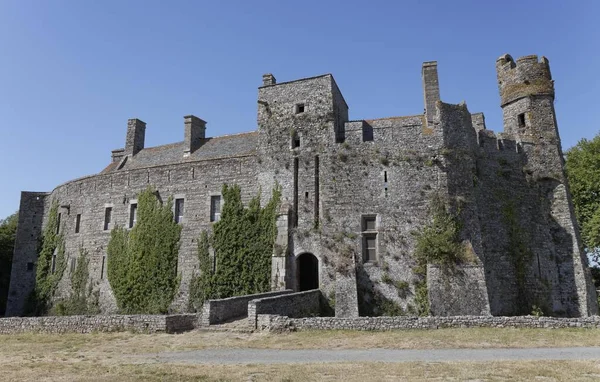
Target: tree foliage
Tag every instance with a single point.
(243, 243)
(142, 262)
(583, 172)
(8, 230)
(47, 278)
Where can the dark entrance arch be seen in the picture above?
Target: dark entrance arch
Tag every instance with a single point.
(307, 271)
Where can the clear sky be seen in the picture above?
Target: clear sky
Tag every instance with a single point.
(73, 72)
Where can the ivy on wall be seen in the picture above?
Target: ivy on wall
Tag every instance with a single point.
(437, 243)
(243, 243)
(82, 300)
(46, 279)
(142, 262)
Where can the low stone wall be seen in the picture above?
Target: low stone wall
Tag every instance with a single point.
(299, 304)
(276, 323)
(99, 323)
(218, 311)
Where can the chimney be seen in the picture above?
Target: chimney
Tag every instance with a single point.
(136, 133)
(431, 89)
(269, 79)
(195, 131)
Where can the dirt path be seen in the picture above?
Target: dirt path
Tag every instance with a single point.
(266, 356)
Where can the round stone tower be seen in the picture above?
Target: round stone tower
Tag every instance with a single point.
(527, 98)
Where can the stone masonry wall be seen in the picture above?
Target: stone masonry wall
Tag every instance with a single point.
(300, 304)
(273, 323)
(221, 310)
(100, 323)
(335, 174)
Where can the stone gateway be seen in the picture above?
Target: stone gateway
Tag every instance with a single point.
(356, 195)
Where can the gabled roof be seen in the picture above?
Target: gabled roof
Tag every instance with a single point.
(210, 148)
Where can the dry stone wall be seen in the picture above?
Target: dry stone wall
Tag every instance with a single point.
(100, 323)
(276, 323)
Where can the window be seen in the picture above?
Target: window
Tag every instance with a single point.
(369, 228)
(215, 208)
(295, 141)
(299, 108)
(521, 119)
(58, 223)
(368, 223)
(77, 223)
(178, 210)
(73, 264)
(102, 268)
(370, 250)
(132, 214)
(53, 266)
(107, 217)
(29, 267)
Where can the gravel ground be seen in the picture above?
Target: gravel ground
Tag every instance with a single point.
(265, 356)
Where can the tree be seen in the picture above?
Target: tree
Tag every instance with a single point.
(8, 230)
(583, 172)
(142, 262)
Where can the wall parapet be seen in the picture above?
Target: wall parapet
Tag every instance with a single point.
(221, 310)
(100, 323)
(275, 323)
(297, 304)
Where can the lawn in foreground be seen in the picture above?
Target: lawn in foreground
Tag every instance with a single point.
(115, 356)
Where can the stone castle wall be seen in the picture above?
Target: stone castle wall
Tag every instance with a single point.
(335, 175)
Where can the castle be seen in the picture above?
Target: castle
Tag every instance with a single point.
(354, 192)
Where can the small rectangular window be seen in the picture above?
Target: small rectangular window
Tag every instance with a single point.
(53, 267)
(107, 218)
(369, 228)
(370, 248)
(29, 267)
(300, 108)
(215, 208)
(102, 268)
(73, 264)
(295, 141)
(77, 223)
(132, 214)
(368, 223)
(521, 119)
(179, 210)
(58, 223)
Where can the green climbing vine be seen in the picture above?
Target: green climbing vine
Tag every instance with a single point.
(243, 242)
(142, 262)
(51, 264)
(83, 299)
(437, 243)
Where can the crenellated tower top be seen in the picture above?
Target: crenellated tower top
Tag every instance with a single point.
(525, 77)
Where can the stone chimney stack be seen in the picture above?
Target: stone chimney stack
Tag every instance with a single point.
(195, 131)
(269, 79)
(136, 134)
(431, 89)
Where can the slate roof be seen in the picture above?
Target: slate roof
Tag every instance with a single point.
(210, 148)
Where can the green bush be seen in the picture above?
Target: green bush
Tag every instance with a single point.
(142, 263)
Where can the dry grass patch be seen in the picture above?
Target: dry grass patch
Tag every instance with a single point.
(31, 344)
(350, 372)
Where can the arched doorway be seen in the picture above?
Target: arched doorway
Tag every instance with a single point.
(307, 272)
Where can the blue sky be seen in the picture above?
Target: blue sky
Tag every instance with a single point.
(73, 72)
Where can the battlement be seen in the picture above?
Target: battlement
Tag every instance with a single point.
(525, 77)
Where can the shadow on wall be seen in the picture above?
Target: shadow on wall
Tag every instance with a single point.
(527, 254)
